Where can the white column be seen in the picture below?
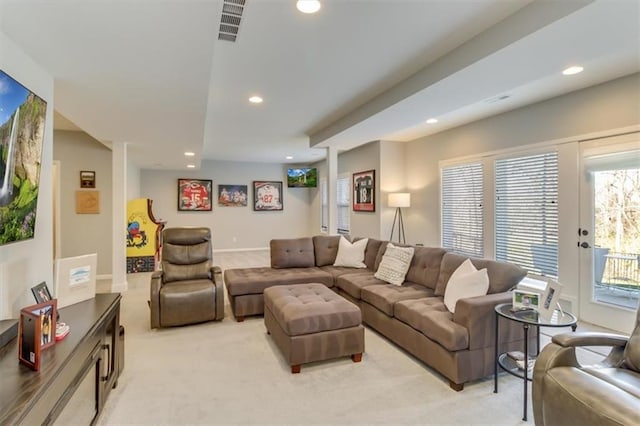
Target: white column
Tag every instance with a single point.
(332, 185)
(119, 213)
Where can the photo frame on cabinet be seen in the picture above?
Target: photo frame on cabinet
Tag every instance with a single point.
(41, 292)
(267, 195)
(364, 191)
(194, 195)
(29, 345)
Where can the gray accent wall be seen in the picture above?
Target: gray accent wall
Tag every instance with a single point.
(84, 233)
(231, 227)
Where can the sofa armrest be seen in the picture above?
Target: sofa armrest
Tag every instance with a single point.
(154, 298)
(477, 315)
(216, 275)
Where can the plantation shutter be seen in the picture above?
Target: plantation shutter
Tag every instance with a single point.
(462, 209)
(324, 213)
(344, 204)
(526, 214)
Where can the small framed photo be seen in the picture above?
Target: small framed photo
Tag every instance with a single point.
(525, 300)
(47, 313)
(41, 292)
(194, 195)
(364, 190)
(29, 342)
(267, 195)
(550, 299)
(87, 179)
(232, 195)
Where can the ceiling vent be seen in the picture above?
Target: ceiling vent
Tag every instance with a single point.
(230, 19)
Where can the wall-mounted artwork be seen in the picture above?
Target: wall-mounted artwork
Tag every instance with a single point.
(232, 195)
(87, 202)
(364, 190)
(267, 195)
(87, 179)
(194, 195)
(22, 118)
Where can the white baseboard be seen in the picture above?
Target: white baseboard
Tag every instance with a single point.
(241, 249)
(119, 287)
(103, 277)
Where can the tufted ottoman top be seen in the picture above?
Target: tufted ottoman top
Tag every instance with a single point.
(310, 308)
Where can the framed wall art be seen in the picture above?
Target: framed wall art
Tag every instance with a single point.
(267, 195)
(194, 195)
(364, 190)
(232, 195)
(87, 179)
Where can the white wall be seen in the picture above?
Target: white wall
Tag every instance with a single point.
(133, 181)
(231, 227)
(392, 179)
(25, 264)
(84, 233)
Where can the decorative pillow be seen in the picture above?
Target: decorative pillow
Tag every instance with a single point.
(465, 282)
(395, 264)
(351, 254)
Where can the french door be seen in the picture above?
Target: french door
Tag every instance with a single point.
(609, 233)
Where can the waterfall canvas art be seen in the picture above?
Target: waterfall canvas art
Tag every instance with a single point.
(22, 118)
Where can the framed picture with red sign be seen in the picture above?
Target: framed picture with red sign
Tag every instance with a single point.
(267, 195)
(194, 195)
(364, 191)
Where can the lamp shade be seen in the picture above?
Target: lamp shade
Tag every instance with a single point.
(400, 199)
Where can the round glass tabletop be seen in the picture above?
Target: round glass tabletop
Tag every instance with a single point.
(531, 316)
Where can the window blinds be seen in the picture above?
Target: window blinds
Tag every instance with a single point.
(344, 204)
(526, 212)
(462, 209)
(325, 208)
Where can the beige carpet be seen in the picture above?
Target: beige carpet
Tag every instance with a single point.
(232, 373)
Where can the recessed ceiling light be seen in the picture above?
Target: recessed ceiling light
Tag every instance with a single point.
(289, 157)
(308, 6)
(432, 121)
(572, 70)
(189, 154)
(191, 166)
(255, 100)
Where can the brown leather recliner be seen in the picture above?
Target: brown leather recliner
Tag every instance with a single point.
(188, 289)
(566, 393)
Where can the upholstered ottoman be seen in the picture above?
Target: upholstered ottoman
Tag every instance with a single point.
(309, 322)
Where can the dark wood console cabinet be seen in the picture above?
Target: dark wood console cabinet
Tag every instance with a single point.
(76, 374)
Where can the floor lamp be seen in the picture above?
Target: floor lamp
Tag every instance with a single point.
(399, 200)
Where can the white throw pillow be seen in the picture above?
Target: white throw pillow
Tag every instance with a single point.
(351, 254)
(395, 264)
(466, 281)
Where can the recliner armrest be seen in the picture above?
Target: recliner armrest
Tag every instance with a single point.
(216, 276)
(154, 298)
(589, 339)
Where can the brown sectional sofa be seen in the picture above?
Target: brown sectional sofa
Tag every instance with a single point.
(460, 346)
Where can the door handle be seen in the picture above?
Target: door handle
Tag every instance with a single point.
(585, 245)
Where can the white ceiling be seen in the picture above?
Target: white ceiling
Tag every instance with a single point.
(152, 73)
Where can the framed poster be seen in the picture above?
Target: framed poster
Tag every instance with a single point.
(267, 195)
(364, 190)
(232, 195)
(194, 195)
(87, 179)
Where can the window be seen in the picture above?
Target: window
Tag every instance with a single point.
(526, 212)
(343, 202)
(324, 227)
(462, 209)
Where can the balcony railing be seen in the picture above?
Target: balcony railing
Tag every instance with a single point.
(622, 268)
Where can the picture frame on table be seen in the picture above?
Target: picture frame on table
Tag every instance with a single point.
(525, 300)
(550, 299)
(41, 292)
(267, 195)
(364, 191)
(194, 195)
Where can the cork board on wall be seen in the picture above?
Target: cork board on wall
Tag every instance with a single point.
(87, 202)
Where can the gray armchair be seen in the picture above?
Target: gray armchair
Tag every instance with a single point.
(567, 393)
(188, 289)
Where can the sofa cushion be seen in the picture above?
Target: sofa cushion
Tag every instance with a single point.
(374, 247)
(325, 248)
(354, 283)
(465, 281)
(337, 271)
(292, 253)
(385, 296)
(431, 317)
(254, 280)
(174, 272)
(350, 254)
(395, 264)
(502, 276)
(425, 266)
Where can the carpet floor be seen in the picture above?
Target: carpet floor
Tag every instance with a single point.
(232, 373)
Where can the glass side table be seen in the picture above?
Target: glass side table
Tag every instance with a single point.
(527, 318)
